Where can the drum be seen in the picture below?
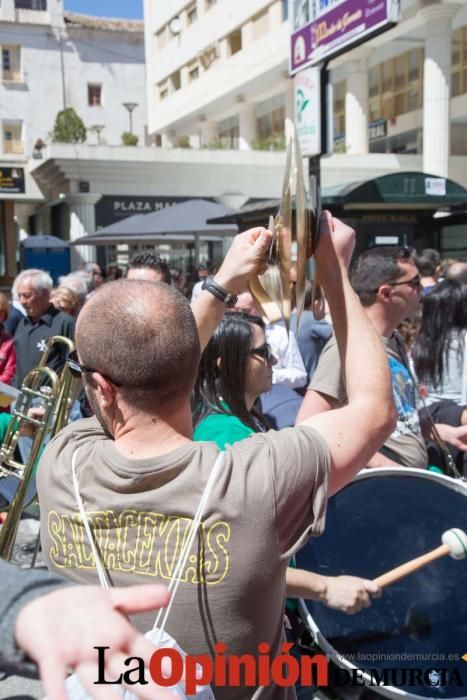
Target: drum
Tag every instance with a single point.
(413, 638)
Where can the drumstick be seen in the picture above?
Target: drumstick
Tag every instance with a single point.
(454, 543)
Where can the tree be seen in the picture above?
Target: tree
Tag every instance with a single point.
(68, 127)
(129, 139)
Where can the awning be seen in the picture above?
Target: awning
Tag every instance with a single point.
(180, 223)
(396, 190)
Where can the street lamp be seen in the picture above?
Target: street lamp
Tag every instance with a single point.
(97, 128)
(130, 106)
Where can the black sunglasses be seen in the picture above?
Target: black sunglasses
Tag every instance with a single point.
(77, 369)
(414, 282)
(263, 351)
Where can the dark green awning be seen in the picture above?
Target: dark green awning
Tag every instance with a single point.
(403, 188)
(400, 189)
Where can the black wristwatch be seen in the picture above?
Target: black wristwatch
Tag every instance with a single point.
(220, 293)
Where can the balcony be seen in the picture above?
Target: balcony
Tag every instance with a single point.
(14, 146)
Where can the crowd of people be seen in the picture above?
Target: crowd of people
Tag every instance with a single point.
(294, 414)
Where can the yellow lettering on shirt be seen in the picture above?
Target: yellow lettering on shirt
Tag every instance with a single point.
(141, 543)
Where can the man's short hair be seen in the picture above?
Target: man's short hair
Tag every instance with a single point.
(427, 262)
(158, 321)
(375, 267)
(151, 261)
(41, 281)
(457, 270)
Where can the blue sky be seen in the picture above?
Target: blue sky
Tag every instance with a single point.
(129, 9)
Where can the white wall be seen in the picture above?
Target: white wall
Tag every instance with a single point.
(113, 58)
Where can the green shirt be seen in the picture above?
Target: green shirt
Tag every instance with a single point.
(221, 428)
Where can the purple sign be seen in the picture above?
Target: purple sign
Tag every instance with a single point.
(346, 25)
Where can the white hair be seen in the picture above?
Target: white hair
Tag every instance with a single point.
(41, 281)
(77, 282)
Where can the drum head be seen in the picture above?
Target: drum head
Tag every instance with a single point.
(384, 518)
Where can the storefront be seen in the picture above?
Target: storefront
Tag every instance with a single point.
(395, 209)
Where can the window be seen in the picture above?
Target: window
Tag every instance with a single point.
(163, 92)
(193, 73)
(459, 62)
(234, 42)
(94, 95)
(191, 15)
(270, 118)
(175, 81)
(12, 137)
(11, 69)
(162, 37)
(396, 86)
(260, 24)
(40, 5)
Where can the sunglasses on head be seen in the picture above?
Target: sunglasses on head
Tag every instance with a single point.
(264, 351)
(77, 369)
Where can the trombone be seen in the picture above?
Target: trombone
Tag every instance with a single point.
(56, 395)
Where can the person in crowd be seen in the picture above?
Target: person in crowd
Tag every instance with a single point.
(7, 349)
(440, 360)
(150, 267)
(42, 322)
(312, 335)
(439, 353)
(49, 627)
(114, 272)
(428, 264)
(204, 271)
(142, 477)
(97, 274)
(15, 312)
(235, 369)
(457, 270)
(178, 279)
(388, 284)
(66, 300)
(289, 369)
(80, 282)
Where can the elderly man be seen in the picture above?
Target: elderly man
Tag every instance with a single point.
(42, 321)
(142, 478)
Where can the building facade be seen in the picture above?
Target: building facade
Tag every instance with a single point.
(51, 60)
(217, 73)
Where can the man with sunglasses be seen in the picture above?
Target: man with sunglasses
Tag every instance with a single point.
(389, 286)
(141, 478)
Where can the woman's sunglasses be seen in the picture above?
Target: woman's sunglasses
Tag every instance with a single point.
(263, 351)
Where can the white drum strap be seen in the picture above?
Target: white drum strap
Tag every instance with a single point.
(161, 618)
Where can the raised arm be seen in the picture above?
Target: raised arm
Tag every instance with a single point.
(355, 432)
(246, 256)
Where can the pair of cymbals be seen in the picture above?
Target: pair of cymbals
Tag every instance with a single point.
(273, 289)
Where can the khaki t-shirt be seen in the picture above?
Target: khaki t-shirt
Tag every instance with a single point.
(405, 445)
(269, 499)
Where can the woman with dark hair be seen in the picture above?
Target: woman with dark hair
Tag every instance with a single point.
(235, 368)
(439, 353)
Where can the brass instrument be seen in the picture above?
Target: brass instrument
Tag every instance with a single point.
(56, 395)
(272, 289)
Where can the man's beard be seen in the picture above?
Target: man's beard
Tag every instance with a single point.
(97, 412)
